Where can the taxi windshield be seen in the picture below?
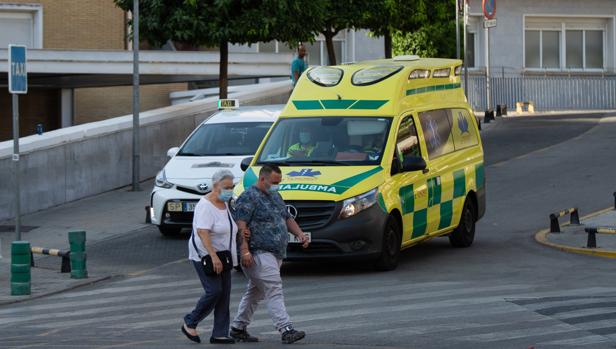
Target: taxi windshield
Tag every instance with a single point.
(237, 138)
(326, 141)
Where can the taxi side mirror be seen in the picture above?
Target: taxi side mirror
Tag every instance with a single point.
(171, 152)
(414, 163)
(246, 163)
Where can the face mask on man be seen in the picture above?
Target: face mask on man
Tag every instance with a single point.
(273, 188)
(225, 194)
(304, 137)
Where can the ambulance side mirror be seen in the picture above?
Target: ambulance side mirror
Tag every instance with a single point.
(246, 163)
(414, 163)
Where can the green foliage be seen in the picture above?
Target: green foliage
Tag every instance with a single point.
(346, 14)
(431, 33)
(396, 15)
(210, 22)
(216, 23)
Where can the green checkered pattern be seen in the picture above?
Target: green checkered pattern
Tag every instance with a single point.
(432, 207)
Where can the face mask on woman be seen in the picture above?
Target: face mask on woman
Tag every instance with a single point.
(225, 194)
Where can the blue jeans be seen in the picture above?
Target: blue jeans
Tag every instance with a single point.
(217, 295)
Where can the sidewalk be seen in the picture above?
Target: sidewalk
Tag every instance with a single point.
(573, 238)
(104, 216)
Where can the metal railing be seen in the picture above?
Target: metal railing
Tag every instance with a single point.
(546, 92)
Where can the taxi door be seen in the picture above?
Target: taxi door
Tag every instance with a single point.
(412, 186)
(436, 126)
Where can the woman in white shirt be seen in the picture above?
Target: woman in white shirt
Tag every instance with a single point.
(213, 231)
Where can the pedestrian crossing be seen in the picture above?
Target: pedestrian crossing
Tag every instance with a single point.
(366, 310)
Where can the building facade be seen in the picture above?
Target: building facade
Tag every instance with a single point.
(350, 46)
(553, 54)
(94, 32)
(553, 37)
(69, 25)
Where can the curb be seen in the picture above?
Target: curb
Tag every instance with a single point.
(542, 238)
(51, 293)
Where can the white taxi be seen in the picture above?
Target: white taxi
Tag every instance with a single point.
(221, 141)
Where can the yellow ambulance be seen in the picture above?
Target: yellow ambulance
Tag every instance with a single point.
(376, 157)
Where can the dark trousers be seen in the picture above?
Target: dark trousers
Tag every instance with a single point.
(217, 294)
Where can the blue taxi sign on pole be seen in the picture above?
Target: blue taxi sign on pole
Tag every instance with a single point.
(18, 84)
(18, 75)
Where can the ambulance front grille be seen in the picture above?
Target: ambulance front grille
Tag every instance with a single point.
(313, 215)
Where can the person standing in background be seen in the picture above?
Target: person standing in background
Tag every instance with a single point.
(298, 66)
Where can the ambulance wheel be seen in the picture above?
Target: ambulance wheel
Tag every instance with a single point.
(169, 230)
(464, 234)
(390, 250)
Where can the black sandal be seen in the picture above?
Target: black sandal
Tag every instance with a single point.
(195, 339)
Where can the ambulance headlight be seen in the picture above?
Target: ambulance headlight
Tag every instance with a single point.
(161, 180)
(354, 205)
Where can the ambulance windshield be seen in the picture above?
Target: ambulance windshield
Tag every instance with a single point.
(326, 141)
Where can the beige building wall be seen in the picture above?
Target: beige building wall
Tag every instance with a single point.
(81, 24)
(100, 103)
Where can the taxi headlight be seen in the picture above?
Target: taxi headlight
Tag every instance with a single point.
(161, 180)
(354, 205)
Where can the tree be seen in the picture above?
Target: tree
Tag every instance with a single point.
(432, 37)
(414, 26)
(344, 14)
(216, 23)
(392, 16)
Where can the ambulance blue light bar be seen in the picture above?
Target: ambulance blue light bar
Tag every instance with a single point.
(325, 76)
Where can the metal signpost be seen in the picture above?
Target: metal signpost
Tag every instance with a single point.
(136, 147)
(489, 12)
(465, 48)
(458, 29)
(18, 84)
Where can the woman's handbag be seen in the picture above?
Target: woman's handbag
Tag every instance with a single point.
(225, 256)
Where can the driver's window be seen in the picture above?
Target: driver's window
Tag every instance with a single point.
(407, 142)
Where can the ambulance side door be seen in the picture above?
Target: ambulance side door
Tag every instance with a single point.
(412, 188)
(436, 127)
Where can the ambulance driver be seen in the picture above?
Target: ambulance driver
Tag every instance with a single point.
(304, 148)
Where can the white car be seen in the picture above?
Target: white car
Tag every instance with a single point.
(222, 141)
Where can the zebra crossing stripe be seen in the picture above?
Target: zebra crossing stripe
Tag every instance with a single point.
(585, 312)
(328, 315)
(578, 341)
(292, 306)
(498, 336)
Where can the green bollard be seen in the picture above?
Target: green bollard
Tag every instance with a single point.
(77, 241)
(20, 268)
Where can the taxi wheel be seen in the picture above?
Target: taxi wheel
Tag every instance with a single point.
(169, 230)
(464, 234)
(390, 250)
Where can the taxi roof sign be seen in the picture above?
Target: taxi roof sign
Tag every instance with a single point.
(228, 103)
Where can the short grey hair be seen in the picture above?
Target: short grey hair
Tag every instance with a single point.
(221, 175)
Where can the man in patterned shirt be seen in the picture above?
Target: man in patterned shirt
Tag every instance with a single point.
(261, 211)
